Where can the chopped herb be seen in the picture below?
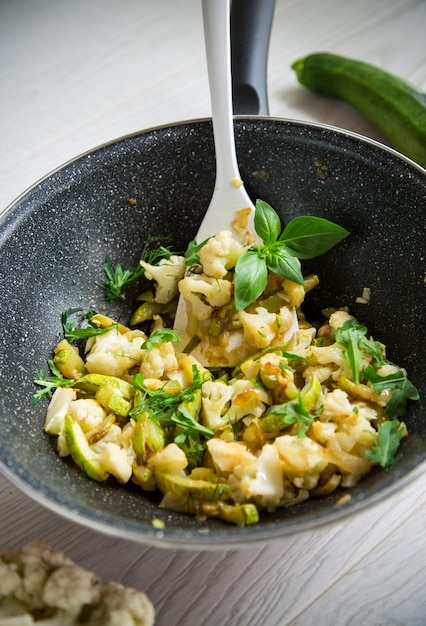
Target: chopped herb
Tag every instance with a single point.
(290, 413)
(402, 390)
(71, 333)
(161, 335)
(350, 335)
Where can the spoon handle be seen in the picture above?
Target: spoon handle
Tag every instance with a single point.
(216, 20)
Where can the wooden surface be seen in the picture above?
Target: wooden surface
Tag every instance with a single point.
(76, 74)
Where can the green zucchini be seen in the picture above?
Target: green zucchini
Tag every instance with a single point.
(393, 106)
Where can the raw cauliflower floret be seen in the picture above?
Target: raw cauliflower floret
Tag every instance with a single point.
(224, 404)
(159, 361)
(219, 254)
(262, 328)
(262, 481)
(112, 354)
(167, 274)
(204, 292)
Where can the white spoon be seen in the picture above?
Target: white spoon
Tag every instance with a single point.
(229, 194)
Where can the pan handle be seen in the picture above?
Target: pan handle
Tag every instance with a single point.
(251, 22)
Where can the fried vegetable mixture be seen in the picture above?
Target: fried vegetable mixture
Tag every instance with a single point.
(285, 410)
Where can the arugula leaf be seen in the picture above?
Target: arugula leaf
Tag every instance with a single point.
(307, 237)
(293, 413)
(403, 390)
(303, 237)
(350, 335)
(71, 333)
(386, 442)
(161, 335)
(49, 383)
(251, 277)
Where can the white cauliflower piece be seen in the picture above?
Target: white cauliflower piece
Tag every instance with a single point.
(338, 318)
(331, 356)
(88, 413)
(262, 328)
(303, 459)
(223, 404)
(220, 253)
(336, 407)
(43, 580)
(159, 361)
(204, 292)
(115, 460)
(227, 454)
(112, 354)
(167, 274)
(170, 459)
(57, 409)
(262, 481)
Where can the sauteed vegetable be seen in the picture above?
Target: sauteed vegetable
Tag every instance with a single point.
(292, 409)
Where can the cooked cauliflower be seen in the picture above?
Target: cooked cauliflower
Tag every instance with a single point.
(57, 409)
(41, 585)
(220, 254)
(113, 354)
(261, 329)
(167, 275)
(159, 361)
(261, 482)
(223, 404)
(203, 293)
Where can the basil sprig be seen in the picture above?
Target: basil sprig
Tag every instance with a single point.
(304, 237)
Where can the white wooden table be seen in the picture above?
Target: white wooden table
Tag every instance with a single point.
(76, 74)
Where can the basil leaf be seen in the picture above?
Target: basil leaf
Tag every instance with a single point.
(266, 222)
(307, 237)
(251, 277)
(285, 265)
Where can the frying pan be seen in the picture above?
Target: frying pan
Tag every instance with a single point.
(55, 237)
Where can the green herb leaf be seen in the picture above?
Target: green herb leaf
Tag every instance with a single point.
(49, 383)
(386, 442)
(307, 237)
(403, 390)
(285, 265)
(293, 413)
(350, 335)
(161, 335)
(251, 277)
(71, 333)
(267, 223)
(119, 279)
(191, 254)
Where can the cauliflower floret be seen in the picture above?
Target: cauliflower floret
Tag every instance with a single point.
(262, 328)
(88, 413)
(227, 454)
(116, 461)
(112, 354)
(338, 318)
(167, 275)
(224, 404)
(303, 458)
(170, 459)
(330, 356)
(215, 293)
(219, 254)
(57, 409)
(336, 406)
(42, 581)
(159, 361)
(262, 481)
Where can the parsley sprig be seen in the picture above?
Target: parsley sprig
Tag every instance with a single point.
(304, 237)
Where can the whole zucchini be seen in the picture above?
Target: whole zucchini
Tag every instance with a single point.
(393, 106)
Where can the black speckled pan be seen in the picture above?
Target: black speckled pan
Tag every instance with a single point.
(54, 239)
